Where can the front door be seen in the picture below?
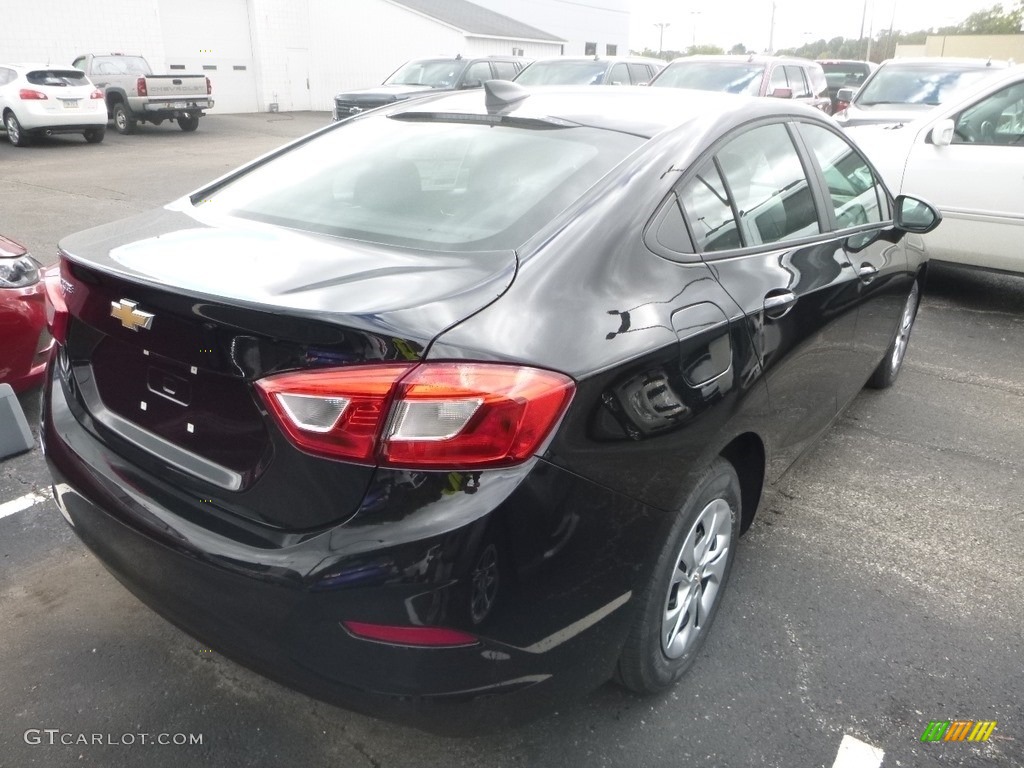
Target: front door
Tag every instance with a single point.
(297, 98)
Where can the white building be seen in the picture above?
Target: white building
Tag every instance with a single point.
(293, 53)
(589, 27)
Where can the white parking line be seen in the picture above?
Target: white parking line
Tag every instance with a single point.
(22, 503)
(854, 753)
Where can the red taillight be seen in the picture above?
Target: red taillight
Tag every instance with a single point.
(56, 308)
(432, 637)
(97, 94)
(433, 415)
(140, 87)
(27, 94)
(209, 87)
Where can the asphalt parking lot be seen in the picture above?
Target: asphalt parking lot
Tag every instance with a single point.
(881, 586)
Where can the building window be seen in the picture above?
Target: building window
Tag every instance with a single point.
(518, 52)
(590, 49)
(209, 66)
(239, 67)
(177, 66)
(611, 50)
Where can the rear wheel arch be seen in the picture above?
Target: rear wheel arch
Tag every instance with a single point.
(747, 455)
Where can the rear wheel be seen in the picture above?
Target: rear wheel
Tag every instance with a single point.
(94, 135)
(887, 371)
(15, 133)
(124, 121)
(689, 578)
(188, 123)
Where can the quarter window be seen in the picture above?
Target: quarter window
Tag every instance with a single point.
(857, 198)
(506, 69)
(778, 80)
(476, 74)
(797, 82)
(619, 75)
(706, 205)
(640, 74)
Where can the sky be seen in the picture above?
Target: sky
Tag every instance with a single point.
(727, 22)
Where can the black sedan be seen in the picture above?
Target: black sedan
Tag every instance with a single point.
(468, 400)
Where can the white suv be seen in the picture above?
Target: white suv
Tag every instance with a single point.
(38, 99)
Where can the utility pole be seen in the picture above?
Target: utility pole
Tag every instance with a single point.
(661, 34)
(693, 38)
(771, 32)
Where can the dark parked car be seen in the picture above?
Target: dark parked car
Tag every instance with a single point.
(844, 73)
(591, 70)
(422, 76)
(469, 399)
(779, 77)
(24, 341)
(902, 90)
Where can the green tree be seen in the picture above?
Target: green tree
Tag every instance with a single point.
(738, 50)
(704, 50)
(994, 21)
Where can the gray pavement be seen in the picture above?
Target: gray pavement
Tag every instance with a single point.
(881, 586)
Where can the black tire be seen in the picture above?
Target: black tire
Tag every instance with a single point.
(188, 123)
(655, 655)
(94, 135)
(889, 368)
(17, 135)
(124, 120)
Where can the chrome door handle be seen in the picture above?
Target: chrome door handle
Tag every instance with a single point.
(867, 271)
(777, 305)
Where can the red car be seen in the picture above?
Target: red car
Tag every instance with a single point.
(24, 340)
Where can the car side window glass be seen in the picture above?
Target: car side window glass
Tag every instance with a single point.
(853, 189)
(773, 196)
(477, 73)
(997, 120)
(619, 75)
(506, 69)
(706, 206)
(640, 74)
(798, 82)
(778, 80)
(5, 76)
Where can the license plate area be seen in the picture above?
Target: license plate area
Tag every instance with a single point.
(70, 103)
(167, 385)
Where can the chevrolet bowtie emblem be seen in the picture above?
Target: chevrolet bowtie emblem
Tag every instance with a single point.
(130, 317)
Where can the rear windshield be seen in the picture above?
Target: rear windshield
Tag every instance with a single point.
(440, 73)
(845, 74)
(563, 73)
(917, 84)
(434, 185)
(728, 77)
(57, 77)
(119, 65)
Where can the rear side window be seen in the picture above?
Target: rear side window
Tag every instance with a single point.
(506, 69)
(619, 75)
(797, 82)
(59, 77)
(441, 184)
(119, 65)
(640, 74)
(857, 198)
(773, 196)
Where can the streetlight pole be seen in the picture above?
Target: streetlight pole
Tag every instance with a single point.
(771, 32)
(693, 38)
(661, 34)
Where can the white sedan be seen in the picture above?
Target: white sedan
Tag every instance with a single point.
(967, 158)
(39, 99)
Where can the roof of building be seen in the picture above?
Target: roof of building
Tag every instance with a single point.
(476, 20)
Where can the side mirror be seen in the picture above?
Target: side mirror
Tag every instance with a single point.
(846, 94)
(782, 93)
(942, 133)
(913, 215)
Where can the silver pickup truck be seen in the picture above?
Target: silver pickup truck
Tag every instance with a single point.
(133, 93)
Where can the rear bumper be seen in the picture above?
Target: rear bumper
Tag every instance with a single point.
(561, 614)
(91, 113)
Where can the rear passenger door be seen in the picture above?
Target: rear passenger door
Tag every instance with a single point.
(757, 216)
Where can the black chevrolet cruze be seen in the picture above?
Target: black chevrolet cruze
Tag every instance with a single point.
(468, 400)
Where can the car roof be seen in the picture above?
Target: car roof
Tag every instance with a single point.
(753, 58)
(31, 66)
(609, 59)
(641, 111)
(937, 61)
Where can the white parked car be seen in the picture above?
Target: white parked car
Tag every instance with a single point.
(967, 158)
(39, 99)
